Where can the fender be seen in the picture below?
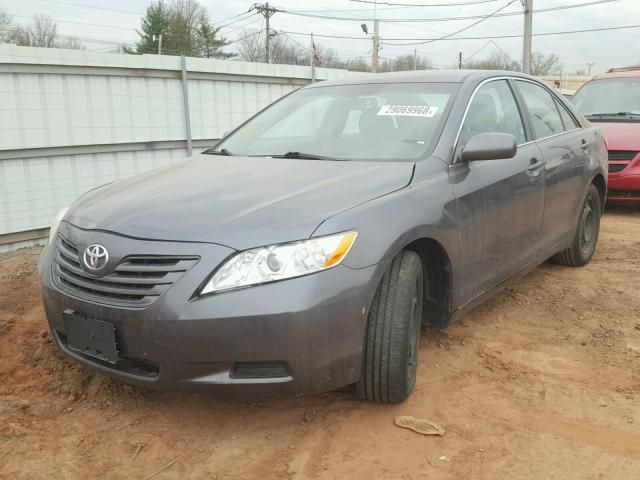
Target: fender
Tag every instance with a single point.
(425, 209)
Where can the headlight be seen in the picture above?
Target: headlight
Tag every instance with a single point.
(279, 262)
(56, 223)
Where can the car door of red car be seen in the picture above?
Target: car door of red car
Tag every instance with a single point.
(499, 203)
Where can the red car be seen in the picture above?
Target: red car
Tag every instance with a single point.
(612, 100)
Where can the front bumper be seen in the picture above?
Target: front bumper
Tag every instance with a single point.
(624, 185)
(311, 326)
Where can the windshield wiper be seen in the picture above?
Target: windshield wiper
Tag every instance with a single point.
(222, 151)
(617, 114)
(306, 156)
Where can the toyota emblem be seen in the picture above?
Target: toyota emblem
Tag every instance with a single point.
(95, 257)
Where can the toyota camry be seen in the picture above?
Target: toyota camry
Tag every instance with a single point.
(306, 250)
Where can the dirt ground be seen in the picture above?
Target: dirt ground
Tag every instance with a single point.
(541, 382)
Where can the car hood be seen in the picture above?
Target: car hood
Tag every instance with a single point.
(621, 135)
(240, 202)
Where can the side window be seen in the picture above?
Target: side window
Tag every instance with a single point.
(543, 110)
(567, 119)
(493, 109)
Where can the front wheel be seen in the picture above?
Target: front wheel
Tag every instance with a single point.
(390, 357)
(585, 239)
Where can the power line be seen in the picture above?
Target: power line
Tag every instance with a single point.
(130, 12)
(93, 6)
(84, 39)
(564, 32)
(56, 20)
(246, 36)
(457, 4)
(81, 23)
(231, 18)
(487, 17)
(303, 13)
(237, 21)
(490, 42)
(240, 27)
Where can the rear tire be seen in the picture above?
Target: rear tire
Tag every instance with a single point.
(585, 239)
(393, 332)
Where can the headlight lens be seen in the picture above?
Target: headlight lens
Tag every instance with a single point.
(279, 262)
(56, 223)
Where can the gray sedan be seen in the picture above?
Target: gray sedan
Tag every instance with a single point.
(306, 250)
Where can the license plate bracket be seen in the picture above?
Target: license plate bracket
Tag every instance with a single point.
(92, 337)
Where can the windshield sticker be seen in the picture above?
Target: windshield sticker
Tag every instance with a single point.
(408, 110)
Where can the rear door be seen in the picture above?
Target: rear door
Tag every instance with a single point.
(500, 203)
(564, 145)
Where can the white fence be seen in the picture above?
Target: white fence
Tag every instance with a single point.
(72, 120)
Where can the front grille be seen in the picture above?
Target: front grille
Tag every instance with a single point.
(621, 155)
(137, 281)
(617, 167)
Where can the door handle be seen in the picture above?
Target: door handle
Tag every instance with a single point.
(535, 164)
(583, 144)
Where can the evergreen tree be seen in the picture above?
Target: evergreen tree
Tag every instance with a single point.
(154, 23)
(210, 45)
(185, 28)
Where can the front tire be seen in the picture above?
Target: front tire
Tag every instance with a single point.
(390, 356)
(585, 239)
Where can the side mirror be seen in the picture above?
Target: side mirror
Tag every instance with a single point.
(226, 134)
(489, 146)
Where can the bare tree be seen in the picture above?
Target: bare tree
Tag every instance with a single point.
(542, 64)
(5, 26)
(284, 50)
(252, 49)
(495, 61)
(70, 43)
(406, 62)
(357, 64)
(20, 35)
(42, 33)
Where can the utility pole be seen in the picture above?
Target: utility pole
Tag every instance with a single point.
(267, 12)
(415, 59)
(526, 40)
(590, 64)
(159, 37)
(460, 61)
(376, 46)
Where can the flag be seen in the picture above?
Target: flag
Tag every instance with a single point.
(314, 52)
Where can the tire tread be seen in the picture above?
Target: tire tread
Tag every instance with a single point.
(383, 378)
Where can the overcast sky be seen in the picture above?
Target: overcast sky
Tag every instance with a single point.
(115, 21)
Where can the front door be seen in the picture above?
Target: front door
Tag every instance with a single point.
(500, 203)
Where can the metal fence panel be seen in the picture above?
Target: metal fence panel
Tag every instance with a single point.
(72, 120)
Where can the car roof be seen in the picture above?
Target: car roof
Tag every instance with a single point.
(422, 76)
(625, 72)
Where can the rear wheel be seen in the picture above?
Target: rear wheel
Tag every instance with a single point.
(585, 239)
(393, 332)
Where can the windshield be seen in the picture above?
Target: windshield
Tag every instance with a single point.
(612, 96)
(386, 122)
